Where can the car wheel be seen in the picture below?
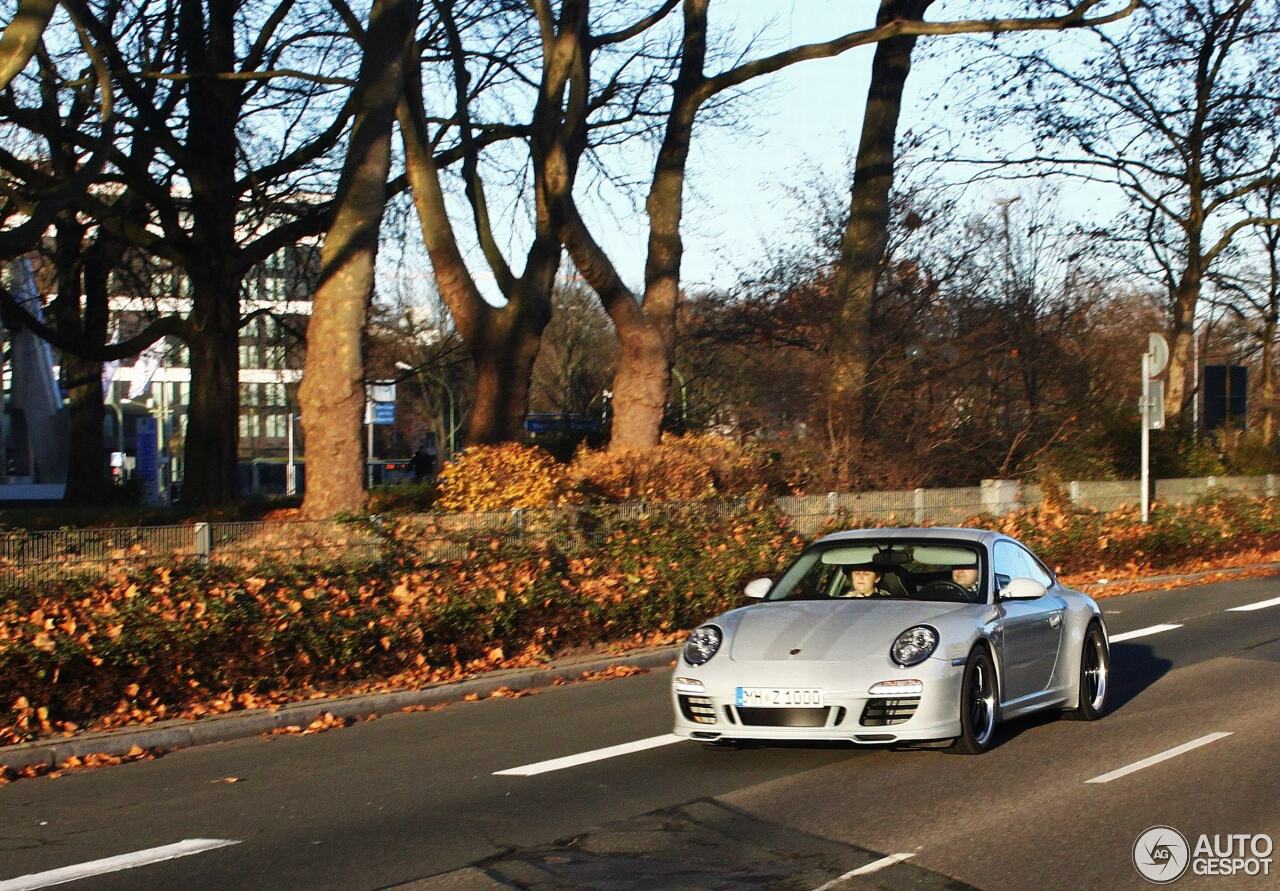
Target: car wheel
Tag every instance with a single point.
(1095, 675)
(979, 704)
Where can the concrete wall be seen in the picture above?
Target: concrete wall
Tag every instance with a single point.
(813, 513)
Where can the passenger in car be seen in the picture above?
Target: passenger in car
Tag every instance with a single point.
(864, 581)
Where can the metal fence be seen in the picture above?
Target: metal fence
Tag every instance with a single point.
(31, 559)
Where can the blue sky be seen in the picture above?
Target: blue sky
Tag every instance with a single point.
(803, 125)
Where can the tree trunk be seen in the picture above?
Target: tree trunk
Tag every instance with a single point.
(1269, 381)
(865, 236)
(332, 391)
(88, 473)
(210, 475)
(1181, 332)
(211, 445)
(640, 388)
(503, 358)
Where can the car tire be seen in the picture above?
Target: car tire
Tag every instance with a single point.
(979, 704)
(1095, 675)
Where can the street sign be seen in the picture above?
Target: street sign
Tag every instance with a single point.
(147, 468)
(1155, 405)
(384, 412)
(382, 391)
(1158, 350)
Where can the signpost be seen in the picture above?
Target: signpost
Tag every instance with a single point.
(1151, 406)
(291, 469)
(379, 408)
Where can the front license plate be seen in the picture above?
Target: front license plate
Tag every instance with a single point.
(779, 697)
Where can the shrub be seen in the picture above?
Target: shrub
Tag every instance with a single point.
(201, 639)
(501, 477)
(681, 468)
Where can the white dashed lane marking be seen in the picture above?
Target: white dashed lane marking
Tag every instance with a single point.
(538, 767)
(1142, 632)
(1156, 759)
(873, 866)
(184, 848)
(1250, 607)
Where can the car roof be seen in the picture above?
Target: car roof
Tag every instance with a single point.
(982, 536)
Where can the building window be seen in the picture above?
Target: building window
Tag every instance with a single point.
(274, 394)
(250, 428)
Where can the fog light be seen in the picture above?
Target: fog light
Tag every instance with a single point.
(689, 685)
(901, 687)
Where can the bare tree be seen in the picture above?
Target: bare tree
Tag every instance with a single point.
(1178, 112)
(1252, 295)
(576, 82)
(646, 322)
(220, 140)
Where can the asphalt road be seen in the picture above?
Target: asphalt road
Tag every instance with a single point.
(416, 799)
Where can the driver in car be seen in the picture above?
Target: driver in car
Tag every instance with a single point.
(966, 577)
(864, 581)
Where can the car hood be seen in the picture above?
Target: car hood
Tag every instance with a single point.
(827, 630)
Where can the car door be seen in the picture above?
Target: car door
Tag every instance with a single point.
(1031, 630)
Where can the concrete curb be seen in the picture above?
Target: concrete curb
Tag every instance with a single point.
(1192, 576)
(172, 735)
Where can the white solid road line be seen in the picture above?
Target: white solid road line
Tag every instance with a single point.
(1156, 759)
(1250, 607)
(1141, 632)
(638, 745)
(873, 866)
(184, 848)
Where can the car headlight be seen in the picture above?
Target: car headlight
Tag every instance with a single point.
(914, 645)
(702, 644)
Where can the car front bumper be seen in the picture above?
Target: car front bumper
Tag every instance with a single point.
(850, 712)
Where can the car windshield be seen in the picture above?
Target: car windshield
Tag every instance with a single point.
(892, 569)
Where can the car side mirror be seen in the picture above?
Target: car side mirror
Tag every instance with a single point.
(756, 589)
(1023, 589)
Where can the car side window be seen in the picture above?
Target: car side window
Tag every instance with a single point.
(1006, 563)
(1034, 570)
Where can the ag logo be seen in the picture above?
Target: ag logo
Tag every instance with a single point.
(1161, 854)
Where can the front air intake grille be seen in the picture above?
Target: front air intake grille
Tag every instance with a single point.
(784, 717)
(697, 709)
(884, 712)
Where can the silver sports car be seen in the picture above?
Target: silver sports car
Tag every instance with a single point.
(895, 636)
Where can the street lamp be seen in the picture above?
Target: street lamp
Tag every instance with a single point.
(451, 422)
